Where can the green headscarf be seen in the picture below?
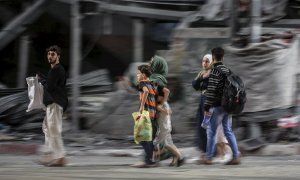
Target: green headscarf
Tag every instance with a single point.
(159, 69)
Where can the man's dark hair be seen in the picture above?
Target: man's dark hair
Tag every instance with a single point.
(145, 69)
(54, 48)
(218, 53)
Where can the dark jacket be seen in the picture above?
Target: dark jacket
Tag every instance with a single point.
(215, 86)
(55, 87)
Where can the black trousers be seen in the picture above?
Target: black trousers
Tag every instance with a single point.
(201, 136)
(148, 148)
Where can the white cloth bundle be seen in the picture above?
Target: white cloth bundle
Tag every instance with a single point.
(35, 94)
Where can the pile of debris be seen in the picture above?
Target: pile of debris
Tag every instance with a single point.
(14, 102)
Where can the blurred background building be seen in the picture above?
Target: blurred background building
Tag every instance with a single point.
(103, 39)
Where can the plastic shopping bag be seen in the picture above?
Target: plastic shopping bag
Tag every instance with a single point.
(35, 94)
(142, 127)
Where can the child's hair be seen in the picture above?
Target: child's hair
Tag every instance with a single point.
(145, 69)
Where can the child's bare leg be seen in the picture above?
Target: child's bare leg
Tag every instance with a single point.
(175, 151)
(177, 155)
(156, 153)
(173, 162)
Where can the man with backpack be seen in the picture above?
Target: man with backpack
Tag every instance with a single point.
(213, 106)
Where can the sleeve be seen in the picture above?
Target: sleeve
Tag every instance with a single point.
(213, 81)
(43, 81)
(42, 78)
(197, 83)
(140, 86)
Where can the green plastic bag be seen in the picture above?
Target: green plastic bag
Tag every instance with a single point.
(142, 127)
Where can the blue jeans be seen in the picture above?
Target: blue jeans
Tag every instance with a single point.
(220, 116)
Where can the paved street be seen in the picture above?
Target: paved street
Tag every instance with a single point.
(107, 167)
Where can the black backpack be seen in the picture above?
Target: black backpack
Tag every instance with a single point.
(234, 93)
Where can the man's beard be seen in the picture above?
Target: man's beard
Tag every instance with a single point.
(52, 61)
